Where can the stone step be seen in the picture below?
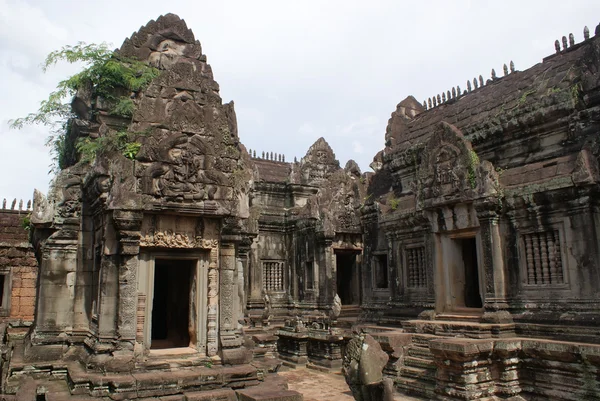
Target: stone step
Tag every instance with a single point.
(420, 352)
(211, 395)
(422, 374)
(422, 340)
(419, 363)
(415, 387)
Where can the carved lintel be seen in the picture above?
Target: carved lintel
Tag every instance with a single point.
(171, 239)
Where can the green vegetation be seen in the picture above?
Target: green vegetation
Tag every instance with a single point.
(394, 203)
(473, 163)
(26, 222)
(123, 142)
(523, 97)
(124, 108)
(575, 92)
(106, 75)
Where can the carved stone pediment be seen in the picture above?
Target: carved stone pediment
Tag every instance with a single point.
(450, 170)
(319, 163)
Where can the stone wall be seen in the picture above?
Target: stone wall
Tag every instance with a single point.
(18, 266)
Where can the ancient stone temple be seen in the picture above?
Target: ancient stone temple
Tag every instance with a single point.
(465, 267)
(484, 208)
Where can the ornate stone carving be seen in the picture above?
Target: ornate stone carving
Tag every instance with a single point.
(184, 169)
(171, 239)
(450, 170)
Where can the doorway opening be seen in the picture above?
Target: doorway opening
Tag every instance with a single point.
(472, 295)
(348, 287)
(171, 303)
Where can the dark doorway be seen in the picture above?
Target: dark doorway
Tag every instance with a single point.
(171, 303)
(469, 256)
(347, 278)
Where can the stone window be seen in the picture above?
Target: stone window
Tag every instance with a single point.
(273, 275)
(415, 267)
(381, 271)
(310, 276)
(543, 260)
(5, 293)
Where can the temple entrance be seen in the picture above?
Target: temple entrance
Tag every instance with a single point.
(458, 289)
(171, 303)
(472, 296)
(347, 278)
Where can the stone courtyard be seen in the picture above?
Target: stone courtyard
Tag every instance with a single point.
(173, 263)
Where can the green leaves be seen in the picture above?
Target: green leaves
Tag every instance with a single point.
(122, 141)
(108, 75)
(91, 53)
(124, 108)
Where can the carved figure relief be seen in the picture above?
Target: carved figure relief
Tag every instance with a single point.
(170, 239)
(451, 170)
(184, 170)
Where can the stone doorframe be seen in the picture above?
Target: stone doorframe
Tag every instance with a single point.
(447, 260)
(198, 296)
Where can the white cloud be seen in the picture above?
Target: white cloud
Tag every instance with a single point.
(357, 147)
(296, 70)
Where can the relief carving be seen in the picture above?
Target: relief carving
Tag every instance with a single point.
(171, 239)
(184, 169)
(450, 170)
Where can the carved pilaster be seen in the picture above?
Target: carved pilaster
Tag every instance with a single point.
(494, 269)
(128, 225)
(212, 345)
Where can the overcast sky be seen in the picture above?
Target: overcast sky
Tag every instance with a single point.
(297, 70)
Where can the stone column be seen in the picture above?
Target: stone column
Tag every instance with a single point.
(128, 225)
(231, 342)
(227, 255)
(327, 270)
(243, 273)
(494, 269)
(212, 343)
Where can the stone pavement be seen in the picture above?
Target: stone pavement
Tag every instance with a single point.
(319, 386)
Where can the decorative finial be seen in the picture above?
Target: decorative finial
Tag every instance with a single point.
(295, 160)
(586, 33)
(439, 99)
(425, 104)
(453, 93)
(505, 69)
(443, 97)
(597, 30)
(271, 156)
(429, 103)
(448, 95)
(493, 74)
(571, 40)
(435, 103)
(21, 204)
(14, 203)
(557, 45)
(468, 86)
(481, 81)
(254, 154)
(475, 83)
(283, 158)
(512, 66)
(4, 204)
(29, 204)
(458, 93)
(564, 42)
